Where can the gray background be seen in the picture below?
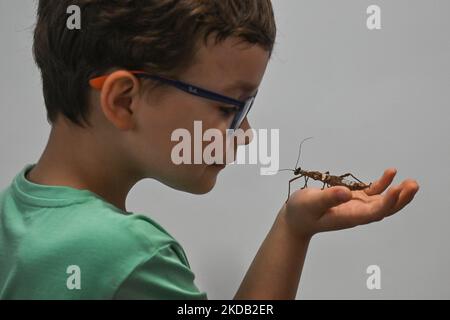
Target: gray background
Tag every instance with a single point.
(371, 99)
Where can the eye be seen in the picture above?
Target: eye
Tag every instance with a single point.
(227, 110)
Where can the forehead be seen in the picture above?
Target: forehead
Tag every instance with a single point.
(230, 66)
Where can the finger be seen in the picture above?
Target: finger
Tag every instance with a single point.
(389, 201)
(380, 185)
(360, 216)
(320, 202)
(386, 205)
(409, 188)
(382, 208)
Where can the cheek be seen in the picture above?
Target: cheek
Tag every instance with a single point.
(156, 124)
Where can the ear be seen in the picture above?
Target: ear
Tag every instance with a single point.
(119, 97)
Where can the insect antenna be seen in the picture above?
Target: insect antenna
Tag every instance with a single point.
(286, 170)
(300, 150)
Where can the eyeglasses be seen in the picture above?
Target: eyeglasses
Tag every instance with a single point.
(242, 108)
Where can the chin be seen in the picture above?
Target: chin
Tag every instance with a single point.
(202, 186)
(198, 184)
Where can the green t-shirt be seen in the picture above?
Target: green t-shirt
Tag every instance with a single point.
(59, 242)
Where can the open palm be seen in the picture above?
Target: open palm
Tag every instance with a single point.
(313, 210)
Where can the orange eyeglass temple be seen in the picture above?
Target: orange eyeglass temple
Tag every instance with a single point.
(98, 82)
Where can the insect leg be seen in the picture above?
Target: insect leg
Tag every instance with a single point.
(289, 188)
(328, 172)
(349, 174)
(306, 182)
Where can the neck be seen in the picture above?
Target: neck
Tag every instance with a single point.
(77, 158)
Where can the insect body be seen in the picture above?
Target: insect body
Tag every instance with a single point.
(327, 179)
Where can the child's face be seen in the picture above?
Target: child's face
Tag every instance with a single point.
(147, 121)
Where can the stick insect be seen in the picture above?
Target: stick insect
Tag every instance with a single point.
(327, 179)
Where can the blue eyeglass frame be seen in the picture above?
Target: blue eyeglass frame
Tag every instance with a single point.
(243, 107)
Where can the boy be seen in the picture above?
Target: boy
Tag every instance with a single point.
(115, 91)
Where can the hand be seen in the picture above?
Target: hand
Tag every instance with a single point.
(312, 210)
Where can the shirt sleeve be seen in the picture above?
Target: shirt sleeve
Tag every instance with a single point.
(162, 277)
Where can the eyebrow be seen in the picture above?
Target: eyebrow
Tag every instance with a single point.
(244, 86)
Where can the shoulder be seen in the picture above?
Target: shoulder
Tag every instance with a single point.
(106, 244)
(163, 276)
(103, 228)
(144, 260)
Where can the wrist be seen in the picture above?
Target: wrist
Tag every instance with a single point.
(292, 230)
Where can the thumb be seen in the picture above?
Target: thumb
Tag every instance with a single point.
(330, 197)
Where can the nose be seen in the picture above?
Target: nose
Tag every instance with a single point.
(245, 126)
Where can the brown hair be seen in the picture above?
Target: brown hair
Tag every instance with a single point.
(159, 36)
